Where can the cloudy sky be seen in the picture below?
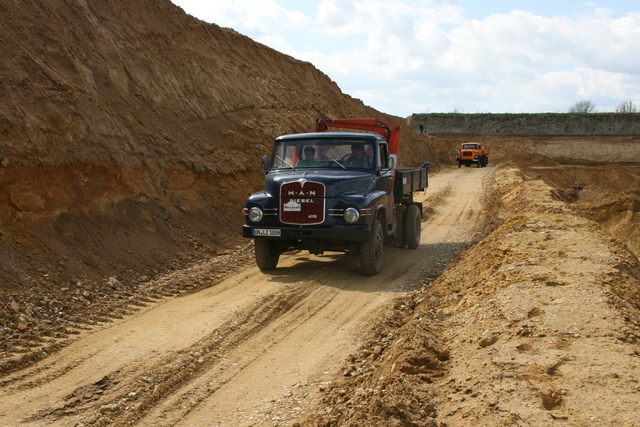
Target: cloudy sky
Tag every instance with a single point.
(471, 56)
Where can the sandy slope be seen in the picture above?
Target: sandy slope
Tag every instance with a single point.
(537, 324)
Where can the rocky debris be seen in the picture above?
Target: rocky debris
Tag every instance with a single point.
(443, 313)
(406, 345)
(114, 283)
(33, 326)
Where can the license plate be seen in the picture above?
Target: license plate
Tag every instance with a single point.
(267, 232)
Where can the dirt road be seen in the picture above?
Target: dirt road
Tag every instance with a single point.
(255, 349)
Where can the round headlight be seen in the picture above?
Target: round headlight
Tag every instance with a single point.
(255, 214)
(351, 215)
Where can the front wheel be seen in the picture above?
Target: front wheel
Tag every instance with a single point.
(267, 254)
(371, 252)
(413, 226)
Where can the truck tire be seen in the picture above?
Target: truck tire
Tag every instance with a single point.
(267, 254)
(371, 252)
(413, 227)
(400, 240)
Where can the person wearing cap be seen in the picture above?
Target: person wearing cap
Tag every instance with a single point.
(309, 158)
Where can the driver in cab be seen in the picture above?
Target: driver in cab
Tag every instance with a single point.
(358, 159)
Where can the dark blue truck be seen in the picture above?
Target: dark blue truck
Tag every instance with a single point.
(336, 191)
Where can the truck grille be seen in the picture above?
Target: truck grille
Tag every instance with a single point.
(302, 202)
(467, 153)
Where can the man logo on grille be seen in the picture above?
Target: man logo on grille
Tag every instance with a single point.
(301, 193)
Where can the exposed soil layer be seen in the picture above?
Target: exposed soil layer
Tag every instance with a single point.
(130, 134)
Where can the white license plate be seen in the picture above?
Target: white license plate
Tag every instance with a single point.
(267, 232)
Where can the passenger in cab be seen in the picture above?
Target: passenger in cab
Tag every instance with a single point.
(309, 158)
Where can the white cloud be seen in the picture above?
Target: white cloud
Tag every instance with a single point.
(497, 64)
(255, 19)
(399, 55)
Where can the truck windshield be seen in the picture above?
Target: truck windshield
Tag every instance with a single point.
(323, 153)
(469, 146)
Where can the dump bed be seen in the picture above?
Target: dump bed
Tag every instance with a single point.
(409, 180)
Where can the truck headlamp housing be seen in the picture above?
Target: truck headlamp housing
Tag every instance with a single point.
(255, 214)
(351, 215)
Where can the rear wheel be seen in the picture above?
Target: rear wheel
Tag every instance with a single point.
(267, 253)
(413, 226)
(371, 252)
(401, 214)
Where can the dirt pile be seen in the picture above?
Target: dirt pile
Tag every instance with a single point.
(131, 133)
(608, 194)
(539, 322)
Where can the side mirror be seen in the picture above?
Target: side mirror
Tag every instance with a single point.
(392, 161)
(265, 163)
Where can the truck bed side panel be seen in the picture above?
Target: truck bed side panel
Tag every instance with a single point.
(409, 180)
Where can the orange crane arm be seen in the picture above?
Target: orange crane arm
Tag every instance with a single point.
(388, 130)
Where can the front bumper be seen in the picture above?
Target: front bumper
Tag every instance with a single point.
(311, 233)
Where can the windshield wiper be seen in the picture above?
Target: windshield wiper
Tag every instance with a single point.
(339, 164)
(284, 161)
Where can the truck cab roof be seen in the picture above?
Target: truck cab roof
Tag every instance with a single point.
(332, 135)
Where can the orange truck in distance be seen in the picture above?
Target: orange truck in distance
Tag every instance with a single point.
(473, 153)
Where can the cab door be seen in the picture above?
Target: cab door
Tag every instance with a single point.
(385, 181)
